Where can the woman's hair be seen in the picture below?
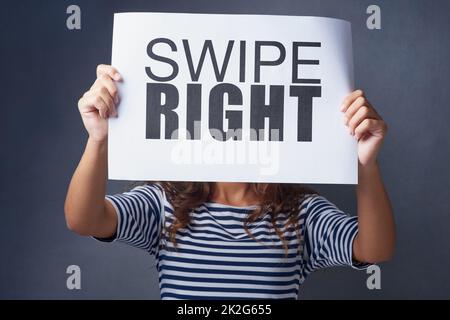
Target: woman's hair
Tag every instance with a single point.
(274, 198)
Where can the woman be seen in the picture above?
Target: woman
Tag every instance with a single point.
(232, 240)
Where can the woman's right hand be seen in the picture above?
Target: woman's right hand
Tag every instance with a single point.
(100, 103)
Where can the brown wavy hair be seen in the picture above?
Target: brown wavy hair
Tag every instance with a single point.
(274, 198)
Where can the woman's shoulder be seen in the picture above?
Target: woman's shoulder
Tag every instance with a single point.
(309, 198)
(148, 187)
(151, 186)
(315, 202)
(151, 191)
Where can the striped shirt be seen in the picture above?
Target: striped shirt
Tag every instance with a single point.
(216, 259)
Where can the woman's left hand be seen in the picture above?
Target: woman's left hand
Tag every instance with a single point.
(365, 125)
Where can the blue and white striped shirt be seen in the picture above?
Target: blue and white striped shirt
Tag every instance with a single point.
(216, 259)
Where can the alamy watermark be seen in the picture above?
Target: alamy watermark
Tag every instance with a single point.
(374, 280)
(73, 281)
(259, 148)
(73, 21)
(374, 19)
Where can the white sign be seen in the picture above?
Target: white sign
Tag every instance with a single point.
(242, 98)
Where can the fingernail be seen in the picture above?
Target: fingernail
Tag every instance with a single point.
(116, 99)
(345, 119)
(342, 108)
(117, 77)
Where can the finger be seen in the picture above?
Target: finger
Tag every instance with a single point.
(110, 71)
(101, 106)
(350, 99)
(106, 97)
(98, 88)
(94, 102)
(110, 85)
(83, 104)
(369, 126)
(354, 107)
(362, 114)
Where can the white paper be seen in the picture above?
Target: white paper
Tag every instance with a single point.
(330, 156)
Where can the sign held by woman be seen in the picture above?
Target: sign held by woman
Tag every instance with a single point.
(243, 98)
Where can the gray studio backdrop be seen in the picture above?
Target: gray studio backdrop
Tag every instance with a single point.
(45, 68)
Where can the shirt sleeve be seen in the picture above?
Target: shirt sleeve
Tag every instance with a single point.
(329, 236)
(139, 214)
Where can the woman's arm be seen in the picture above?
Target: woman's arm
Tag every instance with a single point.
(87, 212)
(375, 241)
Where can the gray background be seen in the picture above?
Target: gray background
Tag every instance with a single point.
(45, 68)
